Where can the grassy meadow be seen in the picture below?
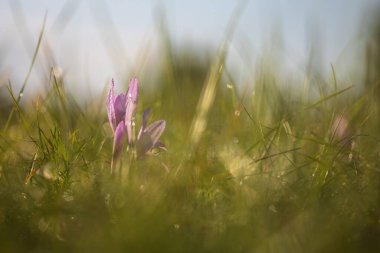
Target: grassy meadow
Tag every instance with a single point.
(259, 165)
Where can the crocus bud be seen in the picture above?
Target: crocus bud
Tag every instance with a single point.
(115, 107)
(131, 104)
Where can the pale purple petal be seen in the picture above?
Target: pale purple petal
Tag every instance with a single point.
(155, 130)
(144, 122)
(131, 104)
(110, 106)
(160, 145)
(119, 107)
(133, 89)
(150, 136)
(118, 142)
(340, 128)
(341, 132)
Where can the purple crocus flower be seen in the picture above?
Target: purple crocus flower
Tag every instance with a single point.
(115, 107)
(116, 116)
(148, 137)
(121, 110)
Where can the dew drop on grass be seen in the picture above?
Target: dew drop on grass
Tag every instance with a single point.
(21, 95)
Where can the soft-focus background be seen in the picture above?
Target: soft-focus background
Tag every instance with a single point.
(272, 113)
(91, 41)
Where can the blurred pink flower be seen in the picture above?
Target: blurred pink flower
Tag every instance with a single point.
(341, 132)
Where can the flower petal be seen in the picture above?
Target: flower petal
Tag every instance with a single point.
(110, 106)
(131, 104)
(133, 90)
(342, 133)
(118, 142)
(144, 122)
(340, 128)
(150, 136)
(119, 108)
(160, 145)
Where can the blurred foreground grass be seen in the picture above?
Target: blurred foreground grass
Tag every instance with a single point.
(265, 174)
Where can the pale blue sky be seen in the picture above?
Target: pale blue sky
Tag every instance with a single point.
(106, 38)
